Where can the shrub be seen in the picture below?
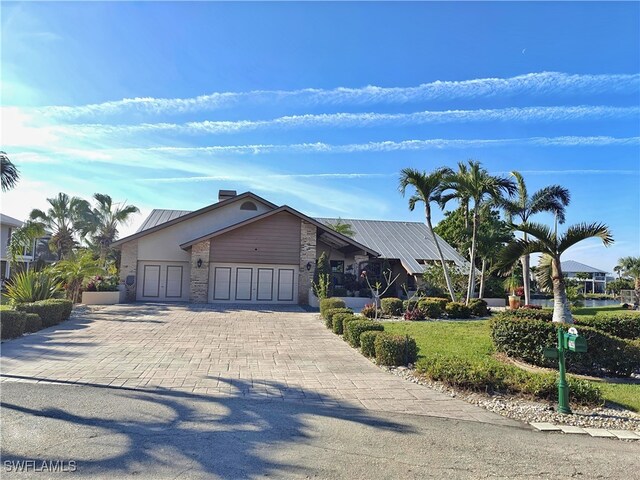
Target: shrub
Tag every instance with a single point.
(328, 315)
(414, 315)
(618, 324)
(533, 314)
(51, 311)
(431, 308)
(478, 307)
(338, 321)
(12, 324)
(395, 350)
(327, 303)
(457, 310)
(354, 329)
(368, 311)
(100, 283)
(440, 300)
(391, 306)
(367, 342)
(529, 306)
(32, 286)
(33, 322)
(408, 305)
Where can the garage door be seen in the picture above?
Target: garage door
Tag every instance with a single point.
(163, 281)
(259, 283)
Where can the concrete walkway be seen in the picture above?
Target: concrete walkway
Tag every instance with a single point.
(282, 355)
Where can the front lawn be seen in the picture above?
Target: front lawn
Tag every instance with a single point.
(472, 340)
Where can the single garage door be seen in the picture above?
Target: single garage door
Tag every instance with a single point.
(257, 283)
(163, 281)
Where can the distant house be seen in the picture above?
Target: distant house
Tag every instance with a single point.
(38, 250)
(596, 281)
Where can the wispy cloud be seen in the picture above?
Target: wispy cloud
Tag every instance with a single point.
(212, 178)
(578, 172)
(342, 120)
(542, 83)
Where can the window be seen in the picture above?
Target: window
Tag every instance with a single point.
(337, 266)
(248, 206)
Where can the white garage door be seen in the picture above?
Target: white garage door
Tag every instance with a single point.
(163, 281)
(260, 283)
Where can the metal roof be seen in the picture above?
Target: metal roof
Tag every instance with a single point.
(409, 242)
(571, 266)
(159, 216)
(7, 220)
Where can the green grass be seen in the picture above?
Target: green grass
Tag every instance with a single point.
(472, 340)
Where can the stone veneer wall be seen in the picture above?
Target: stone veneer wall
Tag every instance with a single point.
(199, 281)
(308, 234)
(129, 266)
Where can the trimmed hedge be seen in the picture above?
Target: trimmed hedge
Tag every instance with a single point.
(327, 303)
(52, 311)
(430, 307)
(457, 310)
(328, 315)
(338, 321)
(623, 325)
(12, 324)
(367, 342)
(478, 307)
(441, 300)
(533, 314)
(488, 375)
(526, 339)
(354, 329)
(395, 350)
(391, 306)
(33, 322)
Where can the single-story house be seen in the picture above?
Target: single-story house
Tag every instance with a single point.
(245, 249)
(595, 281)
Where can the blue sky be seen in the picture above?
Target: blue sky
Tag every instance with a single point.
(319, 105)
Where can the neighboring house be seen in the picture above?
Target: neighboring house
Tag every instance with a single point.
(595, 283)
(246, 249)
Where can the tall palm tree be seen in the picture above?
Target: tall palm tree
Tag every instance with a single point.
(428, 187)
(103, 222)
(472, 183)
(553, 199)
(9, 172)
(630, 266)
(552, 247)
(66, 218)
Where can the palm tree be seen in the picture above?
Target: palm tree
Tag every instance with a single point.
(552, 199)
(75, 270)
(428, 188)
(630, 266)
(103, 222)
(341, 227)
(474, 184)
(9, 173)
(22, 239)
(66, 217)
(552, 247)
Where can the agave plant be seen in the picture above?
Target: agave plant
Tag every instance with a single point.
(31, 286)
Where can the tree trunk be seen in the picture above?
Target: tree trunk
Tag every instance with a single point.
(561, 308)
(526, 279)
(444, 264)
(482, 273)
(472, 271)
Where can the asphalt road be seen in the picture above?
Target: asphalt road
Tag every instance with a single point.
(128, 433)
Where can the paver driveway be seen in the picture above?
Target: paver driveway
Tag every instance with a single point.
(286, 354)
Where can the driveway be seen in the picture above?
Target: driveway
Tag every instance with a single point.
(284, 355)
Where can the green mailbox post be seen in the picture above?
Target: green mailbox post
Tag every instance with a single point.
(572, 342)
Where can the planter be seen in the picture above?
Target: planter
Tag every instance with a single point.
(355, 303)
(514, 302)
(102, 298)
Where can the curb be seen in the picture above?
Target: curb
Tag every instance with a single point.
(594, 432)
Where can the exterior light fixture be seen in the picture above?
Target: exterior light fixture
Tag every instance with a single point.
(308, 266)
(199, 263)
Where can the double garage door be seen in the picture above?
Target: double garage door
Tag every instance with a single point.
(258, 283)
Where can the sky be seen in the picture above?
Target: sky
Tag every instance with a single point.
(320, 105)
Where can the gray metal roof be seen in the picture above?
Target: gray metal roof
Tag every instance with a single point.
(409, 242)
(571, 266)
(159, 216)
(7, 220)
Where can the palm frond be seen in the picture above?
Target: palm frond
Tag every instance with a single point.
(541, 232)
(8, 172)
(514, 250)
(582, 231)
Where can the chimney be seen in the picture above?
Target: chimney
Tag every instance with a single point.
(226, 194)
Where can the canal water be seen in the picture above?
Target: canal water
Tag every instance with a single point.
(548, 303)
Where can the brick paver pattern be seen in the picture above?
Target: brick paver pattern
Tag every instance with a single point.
(285, 354)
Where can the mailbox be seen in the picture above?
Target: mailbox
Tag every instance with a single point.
(575, 343)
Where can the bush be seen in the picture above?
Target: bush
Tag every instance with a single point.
(414, 315)
(395, 350)
(529, 306)
(533, 314)
(391, 306)
(354, 329)
(526, 339)
(457, 310)
(440, 300)
(430, 308)
(33, 322)
(329, 313)
(408, 305)
(12, 324)
(338, 321)
(618, 324)
(368, 311)
(478, 307)
(100, 283)
(367, 342)
(327, 303)
(32, 286)
(51, 311)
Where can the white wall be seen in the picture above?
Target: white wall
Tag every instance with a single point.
(165, 243)
(4, 239)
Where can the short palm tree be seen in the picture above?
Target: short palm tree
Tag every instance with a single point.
(66, 218)
(630, 266)
(553, 198)
(428, 187)
(104, 220)
(75, 270)
(552, 247)
(342, 227)
(9, 172)
(472, 183)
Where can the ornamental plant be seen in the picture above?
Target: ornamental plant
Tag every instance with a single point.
(100, 283)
